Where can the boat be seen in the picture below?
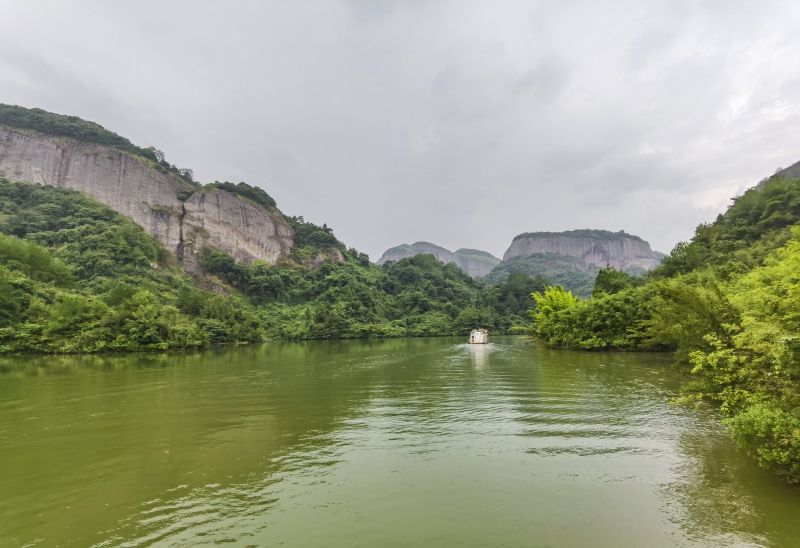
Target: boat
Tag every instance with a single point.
(479, 336)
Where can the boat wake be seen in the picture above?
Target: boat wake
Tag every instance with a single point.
(479, 353)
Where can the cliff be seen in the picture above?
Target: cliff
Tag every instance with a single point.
(246, 231)
(791, 172)
(138, 188)
(474, 262)
(404, 251)
(592, 248)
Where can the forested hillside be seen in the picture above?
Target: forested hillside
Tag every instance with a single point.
(728, 304)
(562, 270)
(573, 258)
(417, 296)
(77, 277)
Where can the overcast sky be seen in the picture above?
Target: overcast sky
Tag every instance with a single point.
(461, 123)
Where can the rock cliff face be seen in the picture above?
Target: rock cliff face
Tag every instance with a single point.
(119, 180)
(593, 248)
(246, 231)
(133, 187)
(404, 251)
(472, 261)
(791, 172)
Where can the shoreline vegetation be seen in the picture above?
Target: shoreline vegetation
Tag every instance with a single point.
(727, 303)
(77, 277)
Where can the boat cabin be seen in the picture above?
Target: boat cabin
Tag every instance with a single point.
(479, 336)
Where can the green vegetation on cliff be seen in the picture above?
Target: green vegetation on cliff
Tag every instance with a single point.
(77, 277)
(563, 270)
(582, 233)
(254, 194)
(728, 304)
(89, 132)
(416, 296)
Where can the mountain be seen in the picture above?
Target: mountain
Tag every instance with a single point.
(64, 151)
(474, 262)
(727, 303)
(574, 257)
(791, 172)
(598, 248)
(404, 251)
(97, 236)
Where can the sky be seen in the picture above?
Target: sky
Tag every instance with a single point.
(457, 122)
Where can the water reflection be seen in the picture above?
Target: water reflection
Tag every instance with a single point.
(474, 444)
(478, 353)
(720, 495)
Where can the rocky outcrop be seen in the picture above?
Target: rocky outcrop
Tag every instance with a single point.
(216, 218)
(329, 254)
(132, 186)
(472, 261)
(791, 172)
(121, 181)
(404, 251)
(592, 248)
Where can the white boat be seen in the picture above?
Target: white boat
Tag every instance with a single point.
(479, 336)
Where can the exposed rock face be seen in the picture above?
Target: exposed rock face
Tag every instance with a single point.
(791, 172)
(219, 219)
(596, 248)
(123, 182)
(472, 261)
(330, 254)
(131, 186)
(404, 251)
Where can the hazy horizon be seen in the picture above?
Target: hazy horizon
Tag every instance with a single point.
(457, 123)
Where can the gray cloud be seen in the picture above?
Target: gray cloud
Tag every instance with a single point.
(463, 123)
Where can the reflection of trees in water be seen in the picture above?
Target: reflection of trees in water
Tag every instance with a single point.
(626, 392)
(722, 497)
(586, 404)
(217, 432)
(164, 426)
(156, 422)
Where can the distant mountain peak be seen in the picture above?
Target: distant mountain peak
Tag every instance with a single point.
(593, 233)
(595, 247)
(474, 262)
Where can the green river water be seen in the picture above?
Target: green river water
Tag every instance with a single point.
(414, 442)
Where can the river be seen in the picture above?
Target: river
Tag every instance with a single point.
(426, 442)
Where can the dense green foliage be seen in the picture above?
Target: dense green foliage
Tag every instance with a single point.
(77, 277)
(511, 301)
(582, 233)
(739, 240)
(417, 296)
(728, 304)
(67, 126)
(610, 280)
(311, 239)
(76, 128)
(252, 193)
(564, 270)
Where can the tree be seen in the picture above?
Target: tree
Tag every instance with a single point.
(610, 281)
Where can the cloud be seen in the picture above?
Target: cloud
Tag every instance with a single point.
(457, 122)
